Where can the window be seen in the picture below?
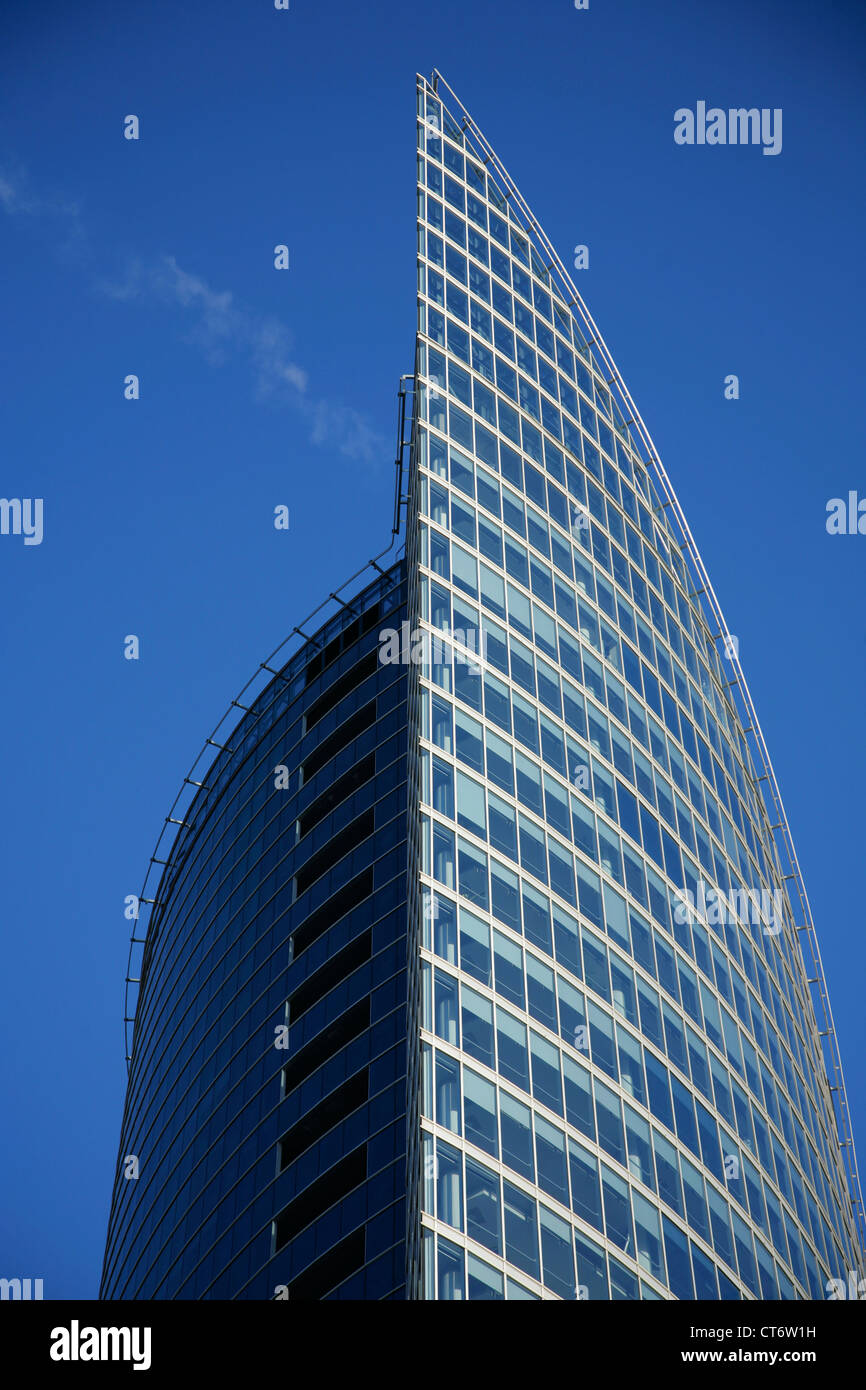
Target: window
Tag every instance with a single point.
(512, 1050)
(479, 1100)
(521, 1230)
(471, 813)
(516, 1125)
(483, 1221)
(477, 1018)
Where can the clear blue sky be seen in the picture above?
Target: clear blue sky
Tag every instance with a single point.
(261, 387)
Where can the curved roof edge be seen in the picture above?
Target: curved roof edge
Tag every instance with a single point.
(195, 782)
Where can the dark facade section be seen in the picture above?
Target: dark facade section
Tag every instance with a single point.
(267, 1097)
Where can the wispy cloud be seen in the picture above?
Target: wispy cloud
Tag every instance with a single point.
(347, 430)
(18, 199)
(10, 196)
(221, 327)
(218, 325)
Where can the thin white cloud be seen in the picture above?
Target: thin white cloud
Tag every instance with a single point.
(9, 195)
(18, 199)
(217, 324)
(347, 431)
(220, 327)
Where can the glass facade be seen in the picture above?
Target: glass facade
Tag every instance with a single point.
(267, 1094)
(622, 1086)
(477, 972)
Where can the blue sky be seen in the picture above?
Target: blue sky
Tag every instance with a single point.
(261, 388)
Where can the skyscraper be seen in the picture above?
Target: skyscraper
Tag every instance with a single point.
(477, 961)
